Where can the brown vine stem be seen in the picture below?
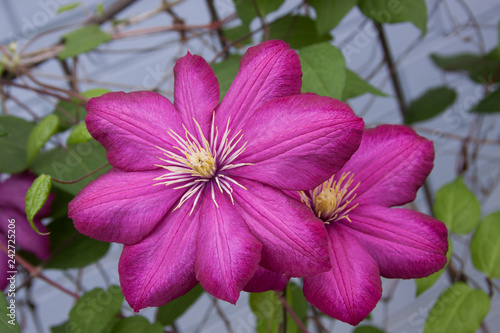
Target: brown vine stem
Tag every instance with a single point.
(36, 272)
(82, 177)
(292, 313)
(396, 83)
(40, 91)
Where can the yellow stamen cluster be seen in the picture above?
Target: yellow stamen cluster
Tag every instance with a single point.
(331, 200)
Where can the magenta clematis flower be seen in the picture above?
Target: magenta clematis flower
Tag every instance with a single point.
(367, 239)
(12, 195)
(196, 189)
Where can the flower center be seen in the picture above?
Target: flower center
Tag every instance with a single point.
(331, 201)
(202, 162)
(194, 164)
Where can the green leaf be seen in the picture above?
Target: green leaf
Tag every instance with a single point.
(36, 197)
(40, 134)
(489, 104)
(425, 283)
(367, 329)
(226, 72)
(238, 32)
(268, 310)
(1, 68)
(323, 70)
(390, 11)
(246, 9)
(459, 309)
(457, 207)
(13, 143)
(71, 249)
(83, 40)
(99, 9)
(72, 163)
(136, 324)
(356, 86)
(480, 69)
(485, 248)
(95, 310)
(68, 7)
(68, 113)
(329, 13)
(95, 92)
(298, 31)
(8, 322)
(430, 104)
(79, 134)
(169, 312)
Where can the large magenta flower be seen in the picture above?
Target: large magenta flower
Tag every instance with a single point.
(195, 192)
(366, 237)
(12, 195)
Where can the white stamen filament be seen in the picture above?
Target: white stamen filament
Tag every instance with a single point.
(193, 165)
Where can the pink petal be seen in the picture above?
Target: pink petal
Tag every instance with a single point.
(227, 254)
(391, 164)
(406, 244)
(267, 71)
(132, 126)
(122, 207)
(298, 142)
(352, 288)
(160, 268)
(4, 267)
(26, 238)
(294, 240)
(196, 92)
(265, 280)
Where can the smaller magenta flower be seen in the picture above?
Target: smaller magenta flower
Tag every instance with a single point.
(196, 190)
(367, 238)
(12, 195)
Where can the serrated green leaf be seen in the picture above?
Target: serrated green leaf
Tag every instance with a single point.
(367, 329)
(13, 144)
(71, 249)
(83, 40)
(8, 324)
(323, 70)
(425, 283)
(489, 104)
(72, 163)
(298, 31)
(433, 102)
(459, 309)
(485, 248)
(356, 86)
(390, 11)
(36, 197)
(68, 7)
(480, 69)
(169, 312)
(40, 134)
(226, 72)
(329, 13)
(457, 207)
(246, 9)
(136, 324)
(79, 134)
(95, 310)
